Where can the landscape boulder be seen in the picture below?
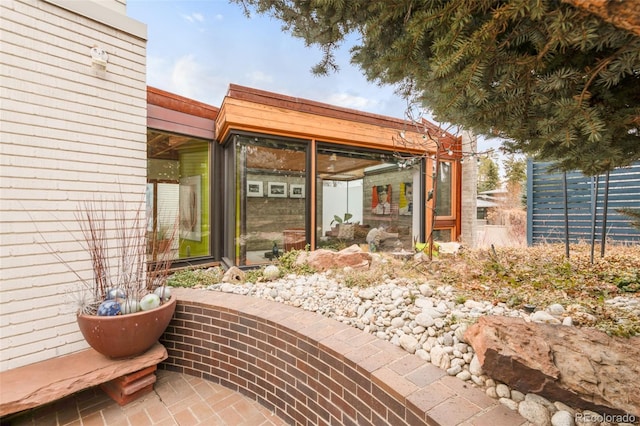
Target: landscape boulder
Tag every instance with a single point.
(323, 259)
(234, 275)
(584, 368)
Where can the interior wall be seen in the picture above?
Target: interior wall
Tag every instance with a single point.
(271, 216)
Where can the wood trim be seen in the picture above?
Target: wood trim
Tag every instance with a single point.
(311, 107)
(312, 193)
(179, 103)
(267, 119)
(162, 118)
(272, 113)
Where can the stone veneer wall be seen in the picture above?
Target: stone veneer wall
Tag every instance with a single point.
(309, 369)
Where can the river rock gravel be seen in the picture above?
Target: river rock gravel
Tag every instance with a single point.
(422, 317)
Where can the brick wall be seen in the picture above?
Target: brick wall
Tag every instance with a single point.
(70, 133)
(309, 369)
(300, 379)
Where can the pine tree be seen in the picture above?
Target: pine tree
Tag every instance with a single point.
(557, 82)
(488, 175)
(633, 214)
(515, 170)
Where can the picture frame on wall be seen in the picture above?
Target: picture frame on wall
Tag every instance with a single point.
(277, 189)
(296, 190)
(255, 188)
(190, 208)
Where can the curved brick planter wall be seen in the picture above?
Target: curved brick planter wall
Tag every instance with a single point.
(312, 370)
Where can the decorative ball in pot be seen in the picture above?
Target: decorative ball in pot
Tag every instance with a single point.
(127, 306)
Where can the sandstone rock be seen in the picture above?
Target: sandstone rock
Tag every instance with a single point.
(584, 368)
(353, 256)
(234, 275)
(24, 387)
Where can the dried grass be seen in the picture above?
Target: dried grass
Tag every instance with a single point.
(541, 275)
(113, 233)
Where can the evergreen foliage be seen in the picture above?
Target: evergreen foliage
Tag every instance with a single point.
(633, 214)
(556, 82)
(515, 170)
(488, 175)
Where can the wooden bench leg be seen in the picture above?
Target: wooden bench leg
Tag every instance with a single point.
(132, 386)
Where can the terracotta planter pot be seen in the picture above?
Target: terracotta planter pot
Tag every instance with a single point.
(125, 336)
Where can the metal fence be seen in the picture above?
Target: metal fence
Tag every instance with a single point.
(572, 207)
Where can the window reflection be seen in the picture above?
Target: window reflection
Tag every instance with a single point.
(444, 189)
(365, 199)
(177, 195)
(271, 179)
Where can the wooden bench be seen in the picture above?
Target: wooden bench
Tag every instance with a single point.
(42, 382)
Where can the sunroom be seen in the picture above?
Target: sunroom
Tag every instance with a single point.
(267, 173)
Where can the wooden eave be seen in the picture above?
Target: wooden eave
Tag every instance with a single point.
(253, 110)
(173, 113)
(181, 104)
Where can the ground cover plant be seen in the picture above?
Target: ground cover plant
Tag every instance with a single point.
(520, 277)
(542, 275)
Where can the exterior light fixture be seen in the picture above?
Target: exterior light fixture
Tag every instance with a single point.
(99, 58)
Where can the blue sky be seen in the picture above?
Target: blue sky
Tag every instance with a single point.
(197, 48)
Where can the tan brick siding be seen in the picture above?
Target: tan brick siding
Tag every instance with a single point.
(68, 133)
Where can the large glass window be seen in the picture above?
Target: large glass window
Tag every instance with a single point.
(270, 198)
(178, 195)
(444, 188)
(366, 199)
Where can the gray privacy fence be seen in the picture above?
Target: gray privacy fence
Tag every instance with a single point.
(572, 207)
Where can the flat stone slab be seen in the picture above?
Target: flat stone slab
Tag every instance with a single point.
(46, 381)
